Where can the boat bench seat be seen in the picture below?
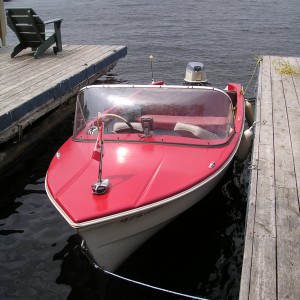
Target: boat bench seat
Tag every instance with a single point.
(207, 122)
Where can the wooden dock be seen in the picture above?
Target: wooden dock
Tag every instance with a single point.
(30, 88)
(271, 265)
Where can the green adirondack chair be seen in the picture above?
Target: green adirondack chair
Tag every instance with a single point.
(31, 31)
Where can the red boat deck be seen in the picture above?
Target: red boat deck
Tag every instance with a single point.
(141, 170)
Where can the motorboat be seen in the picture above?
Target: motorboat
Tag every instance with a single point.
(139, 156)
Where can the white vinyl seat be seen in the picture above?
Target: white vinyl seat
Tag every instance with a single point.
(123, 127)
(188, 130)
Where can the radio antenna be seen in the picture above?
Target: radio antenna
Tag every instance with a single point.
(151, 60)
(161, 82)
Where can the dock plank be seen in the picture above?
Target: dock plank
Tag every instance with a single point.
(51, 71)
(72, 53)
(262, 284)
(288, 220)
(31, 87)
(45, 78)
(271, 263)
(249, 238)
(264, 243)
(287, 201)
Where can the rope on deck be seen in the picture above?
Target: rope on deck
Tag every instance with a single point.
(282, 66)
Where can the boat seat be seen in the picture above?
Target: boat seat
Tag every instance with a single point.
(209, 122)
(123, 127)
(188, 130)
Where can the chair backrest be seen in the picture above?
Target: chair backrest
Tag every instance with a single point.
(27, 25)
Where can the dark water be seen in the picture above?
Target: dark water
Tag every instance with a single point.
(200, 253)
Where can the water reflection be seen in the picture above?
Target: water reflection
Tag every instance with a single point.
(76, 271)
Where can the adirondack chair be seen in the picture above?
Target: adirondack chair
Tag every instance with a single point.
(31, 31)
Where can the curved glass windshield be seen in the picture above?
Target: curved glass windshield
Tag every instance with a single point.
(154, 113)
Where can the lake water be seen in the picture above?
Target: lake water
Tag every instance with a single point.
(200, 253)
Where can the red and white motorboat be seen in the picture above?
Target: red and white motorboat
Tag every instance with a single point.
(140, 155)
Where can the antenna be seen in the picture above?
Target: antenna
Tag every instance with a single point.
(151, 59)
(161, 82)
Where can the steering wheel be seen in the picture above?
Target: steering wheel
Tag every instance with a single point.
(121, 118)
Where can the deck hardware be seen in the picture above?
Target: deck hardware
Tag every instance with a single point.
(212, 165)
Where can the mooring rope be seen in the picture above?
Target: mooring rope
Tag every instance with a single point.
(150, 286)
(87, 254)
(282, 66)
(258, 60)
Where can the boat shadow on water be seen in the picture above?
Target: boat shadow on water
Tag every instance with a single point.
(200, 253)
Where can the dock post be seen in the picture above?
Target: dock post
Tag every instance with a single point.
(2, 24)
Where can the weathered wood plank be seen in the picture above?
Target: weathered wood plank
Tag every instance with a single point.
(49, 71)
(291, 86)
(260, 232)
(265, 218)
(288, 244)
(264, 244)
(34, 86)
(249, 236)
(24, 61)
(72, 53)
(287, 201)
(263, 281)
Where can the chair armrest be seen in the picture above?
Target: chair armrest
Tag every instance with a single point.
(53, 21)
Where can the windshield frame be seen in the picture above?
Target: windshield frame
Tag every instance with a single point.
(155, 138)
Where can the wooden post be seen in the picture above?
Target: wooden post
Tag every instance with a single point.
(2, 23)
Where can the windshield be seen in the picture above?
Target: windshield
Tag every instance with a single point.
(154, 113)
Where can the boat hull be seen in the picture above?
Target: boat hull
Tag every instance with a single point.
(152, 178)
(111, 242)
